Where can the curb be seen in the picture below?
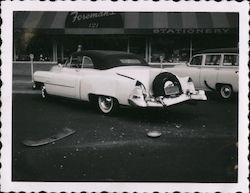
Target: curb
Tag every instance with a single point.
(22, 82)
(23, 87)
(25, 92)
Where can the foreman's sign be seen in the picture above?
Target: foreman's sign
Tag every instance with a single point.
(93, 20)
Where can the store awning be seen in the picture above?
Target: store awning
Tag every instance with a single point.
(47, 21)
(39, 20)
(187, 23)
(132, 22)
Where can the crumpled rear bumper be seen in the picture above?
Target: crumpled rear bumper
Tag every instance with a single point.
(164, 101)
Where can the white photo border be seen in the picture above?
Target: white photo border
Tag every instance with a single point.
(9, 7)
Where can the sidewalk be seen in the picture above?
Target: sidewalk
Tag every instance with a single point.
(22, 84)
(22, 81)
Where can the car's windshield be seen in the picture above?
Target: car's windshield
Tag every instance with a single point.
(73, 62)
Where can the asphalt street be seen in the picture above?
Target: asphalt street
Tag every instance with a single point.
(197, 142)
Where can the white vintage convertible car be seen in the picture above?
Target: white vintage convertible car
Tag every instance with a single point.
(112, 78)
(212, 70)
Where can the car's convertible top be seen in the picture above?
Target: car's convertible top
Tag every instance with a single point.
(103, 60)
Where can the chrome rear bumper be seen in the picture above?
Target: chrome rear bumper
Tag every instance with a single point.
(164, 101)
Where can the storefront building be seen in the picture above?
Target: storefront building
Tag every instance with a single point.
(52, 36)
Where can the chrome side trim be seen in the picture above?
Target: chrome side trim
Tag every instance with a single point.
(125, 76)
(59, 85)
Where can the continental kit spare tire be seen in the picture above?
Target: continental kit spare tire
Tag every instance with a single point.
(161, 79)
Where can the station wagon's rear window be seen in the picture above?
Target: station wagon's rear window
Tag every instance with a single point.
(230, 60)
(213, 60)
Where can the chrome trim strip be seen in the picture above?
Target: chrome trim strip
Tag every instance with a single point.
(125, 76)
(59, 85)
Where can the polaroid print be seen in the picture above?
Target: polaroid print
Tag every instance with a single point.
(124, 96)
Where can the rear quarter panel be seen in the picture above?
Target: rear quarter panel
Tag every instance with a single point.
(108, 84)
(229, 75)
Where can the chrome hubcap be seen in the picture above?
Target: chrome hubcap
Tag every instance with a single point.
(105, 103)
(168, 84)
(226, 92)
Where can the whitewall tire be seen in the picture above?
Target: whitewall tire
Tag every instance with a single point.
(44, 93)
(226, 91)
(107, 105)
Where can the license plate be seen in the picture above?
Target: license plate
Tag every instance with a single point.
(172, 90)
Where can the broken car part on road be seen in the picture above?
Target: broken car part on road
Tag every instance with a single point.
(64, 133)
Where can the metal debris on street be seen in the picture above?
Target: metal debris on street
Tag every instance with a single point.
(154, 134)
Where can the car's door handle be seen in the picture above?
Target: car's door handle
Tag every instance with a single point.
(236, 71)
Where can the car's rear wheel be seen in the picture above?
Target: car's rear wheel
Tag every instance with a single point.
(226, 91)
(107, 104)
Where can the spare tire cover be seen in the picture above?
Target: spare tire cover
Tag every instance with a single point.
(160, 80)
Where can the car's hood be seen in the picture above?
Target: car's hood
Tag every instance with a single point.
(144, 74)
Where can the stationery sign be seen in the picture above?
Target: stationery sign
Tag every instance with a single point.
(195, 31)
(93, 20)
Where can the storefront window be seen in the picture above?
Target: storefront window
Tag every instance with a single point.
(137, 45)
(27, 43)
(71, 43)
(211, 41)
(169, 49)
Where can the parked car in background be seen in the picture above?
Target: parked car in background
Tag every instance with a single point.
(111, 78)
(213, 70)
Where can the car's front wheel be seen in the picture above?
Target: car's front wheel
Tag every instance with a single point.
(226, 91)
(44, 93)
(107, 104)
